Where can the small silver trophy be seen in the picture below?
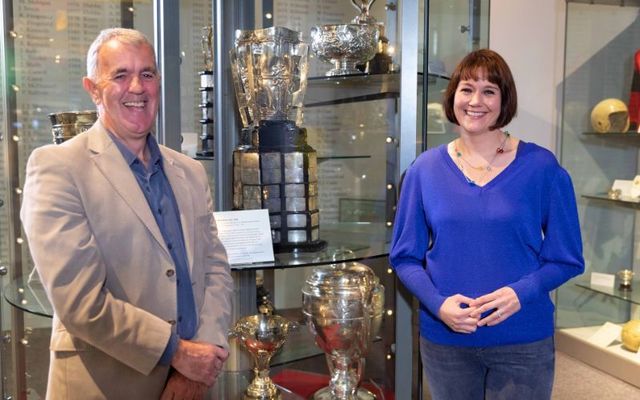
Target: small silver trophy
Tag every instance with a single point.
(67, 124)
(343, 305)
(274, 168)
(363, 6)
(262, 335)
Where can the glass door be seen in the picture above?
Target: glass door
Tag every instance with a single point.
(43, 56)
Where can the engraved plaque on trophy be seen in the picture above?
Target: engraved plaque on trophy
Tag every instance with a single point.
(274, 168)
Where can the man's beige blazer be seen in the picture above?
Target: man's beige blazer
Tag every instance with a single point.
(106, 268)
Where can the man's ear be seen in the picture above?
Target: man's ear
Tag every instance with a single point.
(91, 88)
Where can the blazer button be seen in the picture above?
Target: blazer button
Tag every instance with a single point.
(170, 273)
(172, 321)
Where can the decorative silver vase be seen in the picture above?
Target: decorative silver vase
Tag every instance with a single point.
(262, 335)
(274, 168)
(343, 305)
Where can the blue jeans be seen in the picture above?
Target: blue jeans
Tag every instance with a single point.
(521, 371)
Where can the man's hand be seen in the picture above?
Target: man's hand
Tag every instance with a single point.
(200, 362)
(456, 317)
(179, 387)
(503, 301)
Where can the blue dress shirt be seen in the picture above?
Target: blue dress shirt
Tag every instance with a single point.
(162, 202)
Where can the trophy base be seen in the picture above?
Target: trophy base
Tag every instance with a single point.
(207, 153)
(325, 394)
(277, 396)
(303, 247)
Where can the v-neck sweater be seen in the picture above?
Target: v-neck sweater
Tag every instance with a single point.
(519, 230)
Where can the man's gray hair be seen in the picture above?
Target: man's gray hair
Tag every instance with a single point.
(123, 35)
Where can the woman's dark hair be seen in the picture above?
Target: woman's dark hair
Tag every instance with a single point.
(490, 65)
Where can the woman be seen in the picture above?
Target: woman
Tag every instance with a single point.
(486, 227)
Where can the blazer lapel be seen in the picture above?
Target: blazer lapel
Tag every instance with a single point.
(182, 192)
(111, 163)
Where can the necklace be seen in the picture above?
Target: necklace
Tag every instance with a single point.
(487, 168)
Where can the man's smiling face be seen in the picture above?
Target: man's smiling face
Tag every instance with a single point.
(126, 90)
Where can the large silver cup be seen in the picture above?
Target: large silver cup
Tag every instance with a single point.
(343, 305)
(274, 168)
(262, 335)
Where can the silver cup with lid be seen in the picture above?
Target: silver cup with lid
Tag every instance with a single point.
(343, 305)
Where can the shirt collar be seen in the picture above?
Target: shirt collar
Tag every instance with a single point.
(155, 157)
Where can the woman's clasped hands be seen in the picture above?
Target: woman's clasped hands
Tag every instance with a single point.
(463, 314)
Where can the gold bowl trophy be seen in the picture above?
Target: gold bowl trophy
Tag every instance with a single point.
(273, 167)
(343, 305)
(262, 335)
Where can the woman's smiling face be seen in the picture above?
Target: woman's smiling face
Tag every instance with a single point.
(477, 104)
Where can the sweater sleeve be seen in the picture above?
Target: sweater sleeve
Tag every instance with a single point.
(409, 243)
(561, 253)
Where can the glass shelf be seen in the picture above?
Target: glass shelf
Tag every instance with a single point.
(613, 138)
(28, 296)
(631, 295)
(622, 3)
(624, 202)
(345, 242)
(331, 90)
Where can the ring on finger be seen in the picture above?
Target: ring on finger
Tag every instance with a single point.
(499, 313)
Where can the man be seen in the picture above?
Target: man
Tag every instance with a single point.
(122, 234)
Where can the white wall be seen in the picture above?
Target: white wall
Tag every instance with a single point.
(530, 36)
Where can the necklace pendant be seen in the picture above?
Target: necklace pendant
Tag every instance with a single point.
(488, 168)
(500, 150)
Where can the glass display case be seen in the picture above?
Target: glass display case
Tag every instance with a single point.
(366, 128)
(601, 40)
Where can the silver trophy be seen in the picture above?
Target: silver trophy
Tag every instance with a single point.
(363, 6)
(262, 335)
(343, 305)
(205, 148)
(67, 124)
(345, 45)
(274, 168)
(206, 43)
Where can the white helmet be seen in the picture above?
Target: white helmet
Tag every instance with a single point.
(610, 115)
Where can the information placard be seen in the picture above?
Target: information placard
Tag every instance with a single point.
(246, 235)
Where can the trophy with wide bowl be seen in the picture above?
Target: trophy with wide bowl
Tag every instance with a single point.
(262, 335)
(343, 305)
(345, 46)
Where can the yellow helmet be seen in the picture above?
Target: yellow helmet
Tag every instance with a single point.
(610, 115)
